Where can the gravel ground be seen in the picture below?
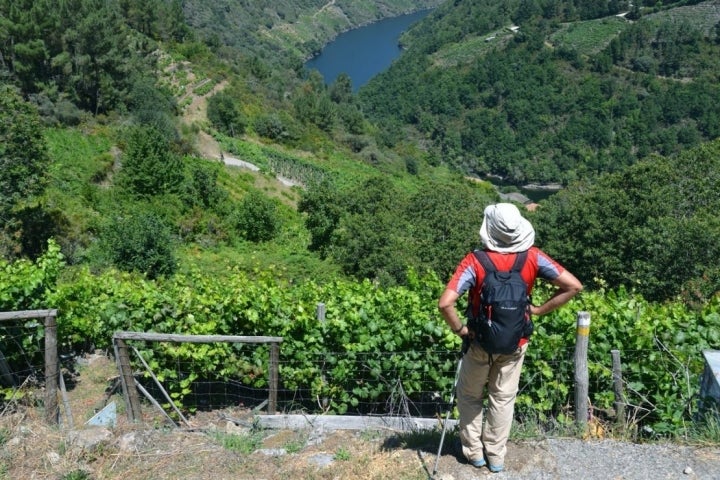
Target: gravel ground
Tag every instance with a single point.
(570, 459)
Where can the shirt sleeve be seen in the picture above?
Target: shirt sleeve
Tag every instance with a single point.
(548, 269)
(465, 276)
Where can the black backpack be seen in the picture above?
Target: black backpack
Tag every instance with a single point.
(504, 314)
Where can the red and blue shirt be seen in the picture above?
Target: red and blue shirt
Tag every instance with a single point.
(469, 274)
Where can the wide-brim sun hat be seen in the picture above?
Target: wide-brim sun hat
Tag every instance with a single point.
(505, 230)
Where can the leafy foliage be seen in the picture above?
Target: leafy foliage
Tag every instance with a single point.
(201, 187)
(535, 105)
(652, 227)
(153, 107)
(225, 115)
(23, 163)
(313, 104)
(377, 230)
(373, 336)
(149, 166)
(26, 285)
(23, 152)
(256, 218)
(141, 243)
(158, 19)
(86, 55)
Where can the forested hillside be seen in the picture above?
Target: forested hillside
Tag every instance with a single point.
(105, 102)
(299, 28)
(103, 96)
(554, 91)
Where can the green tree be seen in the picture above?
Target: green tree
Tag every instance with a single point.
(157, 19)
(321, 203)
(651, 227)
(153, 107)
(149, 167)
(81, 50)
(23, 153)
(370, 239)
(341, 89)
(373, 246)
(312, 103)
(143, 15)
(275, 126)
(28, 27)
(377, 230)
(352, 118)
(325, 114)
(444, 221)
(201, 188)
(224, 114)
(24, 162)
(97, 59)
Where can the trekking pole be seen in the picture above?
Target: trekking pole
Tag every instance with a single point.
(465, 346)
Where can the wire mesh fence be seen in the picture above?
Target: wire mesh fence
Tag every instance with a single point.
(371, 383)
(29, 357)
(317, 384)
(202, 377)
(21, 353)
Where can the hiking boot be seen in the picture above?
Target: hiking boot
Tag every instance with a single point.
(495, 468)
(479, 463)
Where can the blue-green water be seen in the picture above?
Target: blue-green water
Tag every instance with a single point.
(363, 52)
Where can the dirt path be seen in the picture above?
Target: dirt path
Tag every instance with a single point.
(209, 148)
(196, 113)
(324, 7)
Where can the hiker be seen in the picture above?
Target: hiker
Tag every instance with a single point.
(504, 234)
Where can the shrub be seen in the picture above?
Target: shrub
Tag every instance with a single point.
(270, 126)
(256, 219)
(140, 243)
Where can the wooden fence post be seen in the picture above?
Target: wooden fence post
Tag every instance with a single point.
(581, 369)
(52, 370)
(618, 388)
(324, 401)
(127, 380)
(52, 362)
(273, 380)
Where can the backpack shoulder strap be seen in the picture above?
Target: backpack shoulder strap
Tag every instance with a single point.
(485, 261)
(489, 266)
(519, 261)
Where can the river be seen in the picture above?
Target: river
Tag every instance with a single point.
(363, 52)
(367, 51)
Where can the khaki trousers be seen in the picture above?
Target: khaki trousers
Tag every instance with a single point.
(501, 375)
